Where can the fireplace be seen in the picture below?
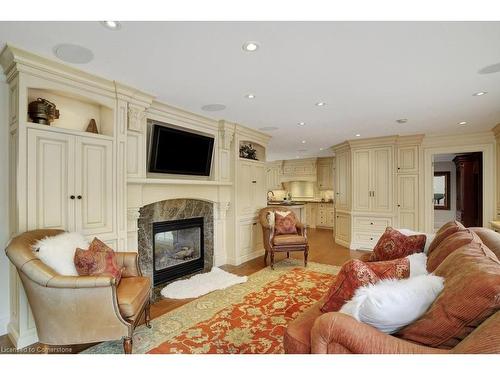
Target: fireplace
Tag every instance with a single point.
(178, 248)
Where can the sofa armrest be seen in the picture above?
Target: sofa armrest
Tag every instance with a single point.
(129, 261)
(76, 282)
(337, 333)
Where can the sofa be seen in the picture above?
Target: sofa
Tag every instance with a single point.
(81, 309)
(337, 333)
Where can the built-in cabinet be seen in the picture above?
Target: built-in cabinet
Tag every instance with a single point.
(273, 175)
(320, 215)
(325, 173)
(377, 184)
(252, 187)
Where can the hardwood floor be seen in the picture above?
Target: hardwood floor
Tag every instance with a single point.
(322, 249)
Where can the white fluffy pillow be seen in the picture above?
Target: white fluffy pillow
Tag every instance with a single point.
(390, 304)
(58, 252)
(418, 264)
(428, 237)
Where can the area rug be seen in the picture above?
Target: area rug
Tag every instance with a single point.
(244, 318)
(201, 284)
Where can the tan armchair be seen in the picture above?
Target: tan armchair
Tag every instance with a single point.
(284, 242)
(80, 309)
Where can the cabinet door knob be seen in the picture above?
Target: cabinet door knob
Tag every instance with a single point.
(79, 197)
(254, 182)
(71, 197)
(371, 223)
(399, 205)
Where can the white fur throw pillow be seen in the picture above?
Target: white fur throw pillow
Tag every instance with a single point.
(58, 252)
(418, 264)
(390, 304)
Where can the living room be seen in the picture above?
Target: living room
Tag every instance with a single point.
(250, 187)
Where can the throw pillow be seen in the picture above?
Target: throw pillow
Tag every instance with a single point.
(428, 237)
(470, 296)
(392, 304)
(57, 252)
(443, 232)
(353, 274)
(448, 245)
(98, 260)
(284, 223)
(393, 244)
(391, 269)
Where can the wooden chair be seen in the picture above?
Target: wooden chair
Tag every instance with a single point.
(282, 242)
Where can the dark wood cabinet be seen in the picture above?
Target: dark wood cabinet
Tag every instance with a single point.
(470, 189)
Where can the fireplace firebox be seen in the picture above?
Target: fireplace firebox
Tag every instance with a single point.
(177, 249)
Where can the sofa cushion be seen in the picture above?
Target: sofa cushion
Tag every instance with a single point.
(470, 296)
(448, 245)
(98, 260)
(297, 338)
(284, 223)
(443, 232)
(288, 239)
(132, 293)
(490, 238)
(393, 245)
(353, 274)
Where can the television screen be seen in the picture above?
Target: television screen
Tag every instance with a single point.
(179, 152)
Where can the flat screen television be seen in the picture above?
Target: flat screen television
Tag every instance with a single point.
(176, 151)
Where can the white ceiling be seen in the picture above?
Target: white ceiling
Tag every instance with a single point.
(368, 73)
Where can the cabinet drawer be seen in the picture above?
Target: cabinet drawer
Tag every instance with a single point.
(372, 223)
(366, 240)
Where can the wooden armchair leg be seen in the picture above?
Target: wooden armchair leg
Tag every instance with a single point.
(127, 345)
(288, 254)
(306, 254)
(272, 260)
(265, 258)
(147, 315)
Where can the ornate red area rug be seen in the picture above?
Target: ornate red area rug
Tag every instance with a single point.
(245, 318)
(257, 324)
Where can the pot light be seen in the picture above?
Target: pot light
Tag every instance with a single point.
(321, 148)
(358, 135)
(112, 25)
(462, 123)
(302, 123)
(250, 46)
(250, 96)
(304, 141)
(480, 93)
(320, 104)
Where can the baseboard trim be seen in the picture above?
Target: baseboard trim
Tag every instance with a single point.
(21, 341)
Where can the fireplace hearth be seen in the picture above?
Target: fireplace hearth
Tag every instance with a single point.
(177, 249)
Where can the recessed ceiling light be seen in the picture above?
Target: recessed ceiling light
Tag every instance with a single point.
(462, 123)
(112, 25)
(302, 123)
(213, 107)
(250, 46)
(304, 141)
(320, 104)
(402, 121)
(250, 96)
(480, 93)
(358, 135)
(268, 128)
(321, 148)
(73, 53)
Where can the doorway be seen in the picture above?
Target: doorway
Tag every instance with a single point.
(458, 189)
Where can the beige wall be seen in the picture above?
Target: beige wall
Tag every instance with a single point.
(443, 216)
(4, 206)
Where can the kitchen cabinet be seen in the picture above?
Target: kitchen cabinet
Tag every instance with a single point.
(325, 173)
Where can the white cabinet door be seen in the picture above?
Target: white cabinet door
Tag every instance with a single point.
(361, 180)
(343, 228)
(259, 196)
(94, 182)
(257, 237)
(325, 181)
(245, 236)
(50, 180)
(408, 201)
(408, 159)
(245, 188)
(342, 180)
(381, 175)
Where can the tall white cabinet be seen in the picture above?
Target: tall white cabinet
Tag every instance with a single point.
(376, 186)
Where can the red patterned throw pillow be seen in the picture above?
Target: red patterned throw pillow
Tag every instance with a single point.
(353, 275)
(284, 223)
(393, 245)
(98, 260)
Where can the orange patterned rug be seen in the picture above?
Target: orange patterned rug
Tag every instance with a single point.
(245, 318)
(257, 324)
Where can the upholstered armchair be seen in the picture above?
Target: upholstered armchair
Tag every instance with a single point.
(282, 242)
(81, 309)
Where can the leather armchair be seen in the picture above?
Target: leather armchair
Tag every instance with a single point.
(284, 242)
(80, 309)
